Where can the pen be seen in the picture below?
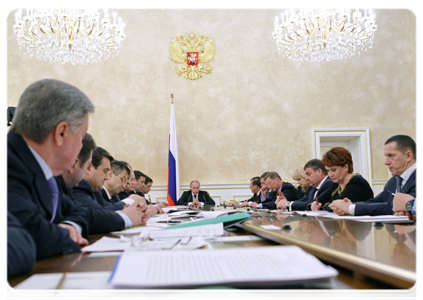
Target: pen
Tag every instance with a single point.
(59, 286)
(170, 222)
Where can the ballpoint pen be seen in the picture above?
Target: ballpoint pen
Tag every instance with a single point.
(59, 286)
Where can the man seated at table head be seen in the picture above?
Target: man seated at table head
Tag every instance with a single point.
(400, 153)
(139, 182)
(195, 197)
(319, 182)
(255, 187)
(100, 219)
(43, 142)
(279, 188)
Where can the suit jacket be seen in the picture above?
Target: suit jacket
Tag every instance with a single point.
(289, 191)
(29, 199)
(255, 198)
(382, 203)
(100, 220)
(21, 249)
(203, 196)
(304, 203)
(124, 195)
(111, 204)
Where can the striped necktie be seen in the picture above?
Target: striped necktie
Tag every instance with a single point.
(55, 195)
(399, 181)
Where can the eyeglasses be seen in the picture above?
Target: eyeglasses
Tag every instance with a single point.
(122, 178)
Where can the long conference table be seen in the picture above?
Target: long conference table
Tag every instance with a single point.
(366, 255)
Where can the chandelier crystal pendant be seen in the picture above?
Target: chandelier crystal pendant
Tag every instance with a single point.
(78, 36)
(318, 34)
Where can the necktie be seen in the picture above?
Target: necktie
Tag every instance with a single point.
(55, 195)
(399, 181)
(195, 196)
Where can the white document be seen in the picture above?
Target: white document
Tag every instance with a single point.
(203, 231)
(139, 229)
(107, 244)
(235, 238)
(167, 269)
(79, 285)
(315, 213)
(381, 218)
(270, 227)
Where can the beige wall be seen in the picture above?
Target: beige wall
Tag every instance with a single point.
(253, 113)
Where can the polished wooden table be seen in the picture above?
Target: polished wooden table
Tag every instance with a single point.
(383, 252)
(347, 285)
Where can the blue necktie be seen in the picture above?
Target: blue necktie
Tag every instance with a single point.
(399, 181)
(55, 195)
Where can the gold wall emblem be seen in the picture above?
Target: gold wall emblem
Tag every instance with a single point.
(193, 54)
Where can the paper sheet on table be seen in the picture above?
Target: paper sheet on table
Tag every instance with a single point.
(235, 238)
(381, 218)
(159, 269)
(79, 285)
(203, 231)
(107, 244)
(314, 213)
(139, 229)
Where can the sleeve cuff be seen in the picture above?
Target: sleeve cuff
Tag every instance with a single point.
(128, 201)
(126, 219)
(351, 209)
(77, 227)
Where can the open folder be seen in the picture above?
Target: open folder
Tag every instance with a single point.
(238, 267)
(228, 220)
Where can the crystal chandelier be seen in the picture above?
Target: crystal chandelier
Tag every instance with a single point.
(78, 36)
(318, 34)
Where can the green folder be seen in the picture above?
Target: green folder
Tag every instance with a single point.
(228, 220)
(213, 293)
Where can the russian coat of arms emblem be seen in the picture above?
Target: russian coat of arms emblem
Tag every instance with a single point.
(193, 54)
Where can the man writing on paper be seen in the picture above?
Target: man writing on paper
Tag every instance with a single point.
(400, 153)
(194, 196)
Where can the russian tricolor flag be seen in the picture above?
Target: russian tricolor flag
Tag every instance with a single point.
(173, 166)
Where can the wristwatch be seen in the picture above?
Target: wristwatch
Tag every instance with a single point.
(410, 204)
(288, 204)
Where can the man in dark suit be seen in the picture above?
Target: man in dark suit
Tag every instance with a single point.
(129, 187)
(194, 196)
(255, 187)
(279, 188)
(100, 219)
(400, 153)
(319, 182)
(43, 142)
(139, 182)
(21, 251)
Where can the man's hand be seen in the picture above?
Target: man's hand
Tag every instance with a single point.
(244, 204)
(281, 204)
(264, 190)
(400, 200)
(315, 205)
(137, 212)
(138, 198)
(74, 234)
(162, 204)
(341, 207)
(233, 203)
(254, 205)
(195, 202)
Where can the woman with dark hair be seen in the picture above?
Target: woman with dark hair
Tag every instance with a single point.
(338, 162)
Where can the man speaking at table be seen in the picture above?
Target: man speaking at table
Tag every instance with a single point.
(43, 142)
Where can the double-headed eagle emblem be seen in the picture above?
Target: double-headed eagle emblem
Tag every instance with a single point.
(192, 54)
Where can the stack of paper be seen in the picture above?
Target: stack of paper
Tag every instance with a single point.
(226, 267)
